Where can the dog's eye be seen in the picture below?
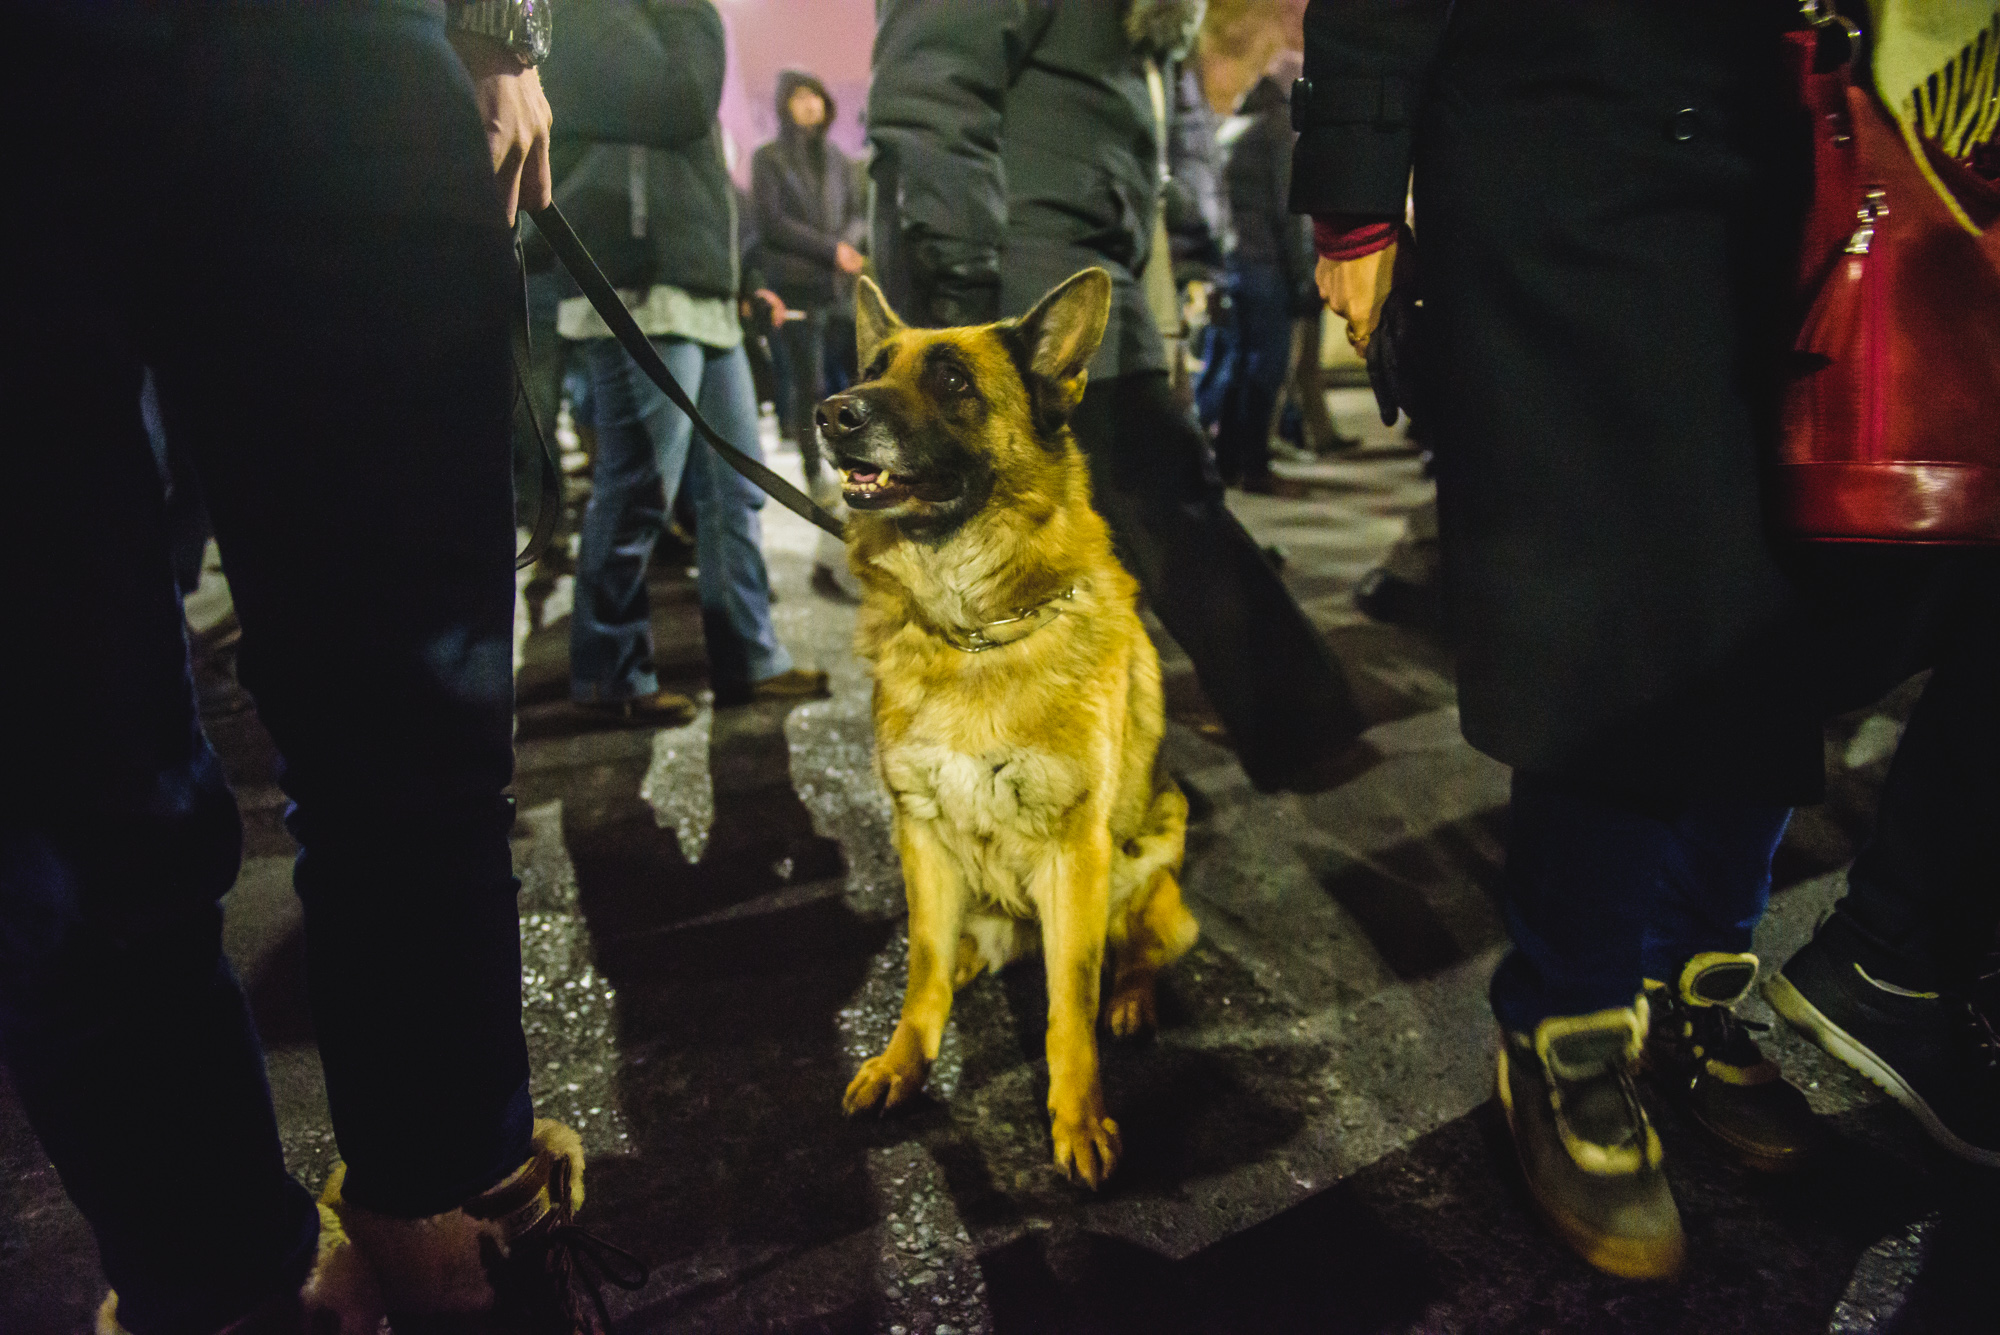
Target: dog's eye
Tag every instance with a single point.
(953, 381)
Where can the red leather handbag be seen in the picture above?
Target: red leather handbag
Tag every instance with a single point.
(1892, 413)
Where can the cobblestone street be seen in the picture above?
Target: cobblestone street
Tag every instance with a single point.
(713, 922)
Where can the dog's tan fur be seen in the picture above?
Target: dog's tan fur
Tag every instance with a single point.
(1025, 779)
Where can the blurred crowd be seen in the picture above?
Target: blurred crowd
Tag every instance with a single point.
(255, 314)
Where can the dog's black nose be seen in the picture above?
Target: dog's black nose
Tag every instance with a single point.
(842, 415)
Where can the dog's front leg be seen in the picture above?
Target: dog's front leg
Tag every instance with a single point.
(1074, 907)
(936, 893)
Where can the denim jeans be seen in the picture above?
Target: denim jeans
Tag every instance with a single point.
(1602, 892)
(645, 446)
(291, 219)
(1247, 361)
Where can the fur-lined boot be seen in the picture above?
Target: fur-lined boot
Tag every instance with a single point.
(510, 1261)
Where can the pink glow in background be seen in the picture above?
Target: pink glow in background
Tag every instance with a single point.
(829, 38)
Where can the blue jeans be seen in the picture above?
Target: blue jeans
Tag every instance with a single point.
(1603, 892)
(644, 447)
(292, 221)
(1245, 372)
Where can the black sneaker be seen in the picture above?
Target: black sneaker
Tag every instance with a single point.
(1937, 1055)
(1591, 1158)
(1700, 1053)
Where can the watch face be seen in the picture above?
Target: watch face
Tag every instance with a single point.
(539, 25)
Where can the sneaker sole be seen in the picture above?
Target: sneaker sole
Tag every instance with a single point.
(1622, 1257)
(1809, 1020)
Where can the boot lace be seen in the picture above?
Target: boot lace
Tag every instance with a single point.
(545, 1285)
(1982, 1016)
(1717, 1031)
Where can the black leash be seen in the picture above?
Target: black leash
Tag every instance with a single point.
(549, 504)
(555, 228)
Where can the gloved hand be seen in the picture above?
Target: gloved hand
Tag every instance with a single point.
(1356, 289)
(1395, 363)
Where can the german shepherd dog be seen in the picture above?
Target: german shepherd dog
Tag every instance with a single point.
(1017, 698)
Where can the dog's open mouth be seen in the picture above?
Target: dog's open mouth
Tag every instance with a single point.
(871, 488)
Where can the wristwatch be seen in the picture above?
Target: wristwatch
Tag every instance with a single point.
(522, 26)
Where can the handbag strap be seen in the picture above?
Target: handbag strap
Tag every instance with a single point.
(556, 229)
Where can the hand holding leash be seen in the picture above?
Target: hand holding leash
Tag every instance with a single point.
(516, 118)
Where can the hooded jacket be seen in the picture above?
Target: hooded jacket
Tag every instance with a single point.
(802, 190)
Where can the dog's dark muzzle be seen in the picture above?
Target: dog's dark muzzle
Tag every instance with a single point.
(841, 417)
(873, 473)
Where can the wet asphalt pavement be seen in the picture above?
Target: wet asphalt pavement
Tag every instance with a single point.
(713, 927)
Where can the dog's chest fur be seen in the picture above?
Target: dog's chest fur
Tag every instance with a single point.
(999, 805)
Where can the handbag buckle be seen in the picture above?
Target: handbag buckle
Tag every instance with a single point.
(1874, 208)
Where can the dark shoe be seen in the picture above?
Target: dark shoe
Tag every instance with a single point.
(1591, 1159)
(1395, 601)
(1701, 1054)
(1937, 1055)
(661, 709)
(826, 584)
(792, 684)
(510, 1261)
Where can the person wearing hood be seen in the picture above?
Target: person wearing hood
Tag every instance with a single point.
(811, 224)
(1008, 155)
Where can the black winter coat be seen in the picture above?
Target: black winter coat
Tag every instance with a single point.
(806, 204)
(634, 86)
(1013, 149)
(1606, 198)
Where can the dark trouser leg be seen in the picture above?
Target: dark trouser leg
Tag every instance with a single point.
(1266, 669)
(1264, 345)
(1923, 897)
(841, 352)
(1603, 891)
(122, 1024)
(805, 353)
(335, 352)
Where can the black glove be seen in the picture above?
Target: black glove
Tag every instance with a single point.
(1395, 355)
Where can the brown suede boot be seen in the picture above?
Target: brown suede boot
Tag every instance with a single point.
(1702, 1056)
(339, 1297)
(510, 1261)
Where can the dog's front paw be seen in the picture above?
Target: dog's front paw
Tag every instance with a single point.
(1087, 1144)
(885, 1081)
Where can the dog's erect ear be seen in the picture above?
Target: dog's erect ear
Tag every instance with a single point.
(1060, 336)
(873, 320)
